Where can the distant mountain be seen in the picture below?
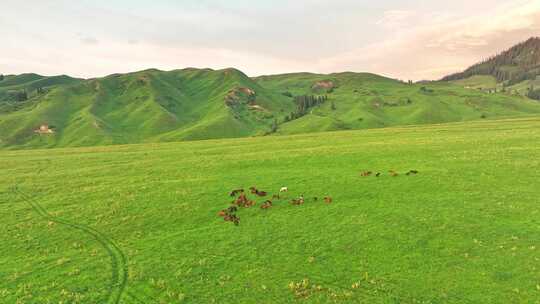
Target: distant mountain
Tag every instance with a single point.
(144, 106)
(519, 64)
(189, 104)
(15, 88)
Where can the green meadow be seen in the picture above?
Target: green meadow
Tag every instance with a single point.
(138, 223)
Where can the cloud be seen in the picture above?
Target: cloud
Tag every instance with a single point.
(118, 57)
(444, 45)
(405, 41)
(89, 40)
(396, 18)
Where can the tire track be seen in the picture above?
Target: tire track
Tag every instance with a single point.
(118, 259)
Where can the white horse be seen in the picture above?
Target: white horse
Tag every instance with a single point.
(283, 189)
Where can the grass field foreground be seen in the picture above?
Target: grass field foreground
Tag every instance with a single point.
(138, 223)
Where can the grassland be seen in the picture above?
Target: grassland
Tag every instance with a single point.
(487, 82)
(138, 223)
(523, 87)
(479, 82)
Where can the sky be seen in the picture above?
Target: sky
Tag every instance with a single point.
(404, 39)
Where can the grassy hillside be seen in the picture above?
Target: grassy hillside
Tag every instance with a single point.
(32, 86)
(33, 81)
(479, 82)
(360, 101)
(144, 106)
(138, 223)
(191, 104)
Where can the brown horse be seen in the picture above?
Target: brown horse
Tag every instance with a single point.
(266, 205)
(235, 192)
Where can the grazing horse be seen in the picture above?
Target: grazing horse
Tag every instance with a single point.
(232, 218)
(328, 199)
(235, 192)
(261, 193)
(284, 189)
(229, 213)
(366, 173)
(266, 205)
(241, 200)
(298, 201)
(257, 192)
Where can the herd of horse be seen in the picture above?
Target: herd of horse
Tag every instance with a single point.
(391, 172)
(243, 200)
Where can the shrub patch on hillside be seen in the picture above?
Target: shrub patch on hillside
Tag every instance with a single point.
(240, 96)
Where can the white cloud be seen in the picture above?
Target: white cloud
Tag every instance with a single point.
(444, 45)
(396, 18)
(408, 42)
(94, 61)
(89, 40)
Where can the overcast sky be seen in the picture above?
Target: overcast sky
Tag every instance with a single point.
(406, 39)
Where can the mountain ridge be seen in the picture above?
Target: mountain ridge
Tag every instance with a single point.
(516, 64)
(191, 104)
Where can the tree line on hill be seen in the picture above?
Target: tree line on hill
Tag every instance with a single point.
(512, 66)
(18, 95)
(23, 95)
(304, 103)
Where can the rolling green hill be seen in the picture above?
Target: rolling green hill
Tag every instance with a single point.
(133, 224)
(15, 90)
(361, 100)
(191, 104)
(144, 106)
